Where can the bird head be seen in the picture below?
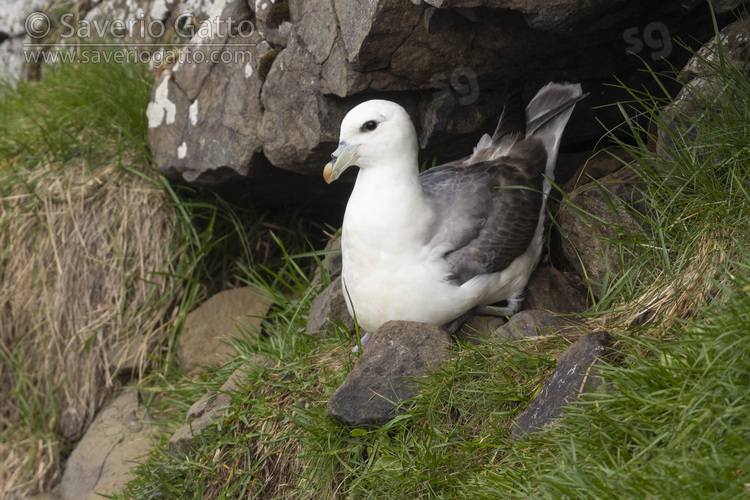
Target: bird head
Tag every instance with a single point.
(375, 132)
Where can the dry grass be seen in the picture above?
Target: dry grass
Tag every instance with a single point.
(680, 298)
(87, 274)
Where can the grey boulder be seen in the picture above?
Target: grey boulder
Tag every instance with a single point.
(387, 373)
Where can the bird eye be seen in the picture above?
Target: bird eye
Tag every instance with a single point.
(370, 125)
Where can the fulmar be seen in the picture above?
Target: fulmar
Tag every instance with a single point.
(432, 247)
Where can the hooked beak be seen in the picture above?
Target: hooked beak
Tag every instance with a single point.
(341, 159)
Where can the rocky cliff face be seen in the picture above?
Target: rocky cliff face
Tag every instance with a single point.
(256, 89)
(449, 62)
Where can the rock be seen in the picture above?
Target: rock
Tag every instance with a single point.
(552, 290)
(682, 119)
(209, 408)
(450, 63)
(373, 32)
(383, 377)
(524, 324)
(534, 323)
(338, 76)
(300, 128)
(726, 5)
(146, 11)
(203, 413)
(14, 16)
(447, 121)
(596, 224)
(102, 461)
(272, 21)
(561, 16)
(312, 21)
(201, 342)
(203, 116)
(327, 308)
(479, 329)
(599, 165)
(571, 377)
(332, 261)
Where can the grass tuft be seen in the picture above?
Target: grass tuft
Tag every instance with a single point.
(87, 259)
(670, 421)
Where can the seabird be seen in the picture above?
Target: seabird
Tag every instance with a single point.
(431, 247)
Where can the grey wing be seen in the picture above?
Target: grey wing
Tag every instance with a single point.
(486, 212)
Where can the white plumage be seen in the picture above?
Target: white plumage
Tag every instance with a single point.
(430, 248)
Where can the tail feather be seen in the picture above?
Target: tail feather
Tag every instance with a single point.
(547, 115)
(510, 127)
(513, 120)
(545, 118)
(553, 97)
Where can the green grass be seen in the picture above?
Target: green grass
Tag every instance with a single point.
(672, 420)
(81, 125)
(92, 112)
(277, 430)
(73, 151)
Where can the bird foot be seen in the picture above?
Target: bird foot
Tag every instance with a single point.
(454, 325)
(507, 307)
(362, 342)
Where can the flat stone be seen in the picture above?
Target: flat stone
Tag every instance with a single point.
(210, 407)
(331, 262)
(328, 308)
(385, 375)
(522, 325)
(554, 291)
(202, 340)
(682, 121)
(479, 329)
(532, 323)
(596, 224)
(571, 377)
(102, 461)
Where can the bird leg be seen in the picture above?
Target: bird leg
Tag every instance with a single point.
(454, 325)
(362, 342)
(507, 307)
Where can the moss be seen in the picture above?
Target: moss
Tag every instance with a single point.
(278, 13)
(265, 63)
